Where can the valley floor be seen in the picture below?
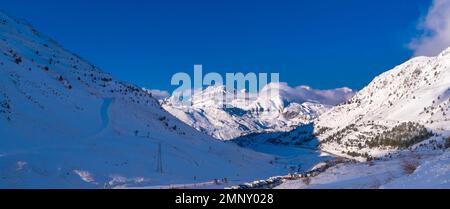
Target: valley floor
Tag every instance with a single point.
(290, 159)
(425, 169)
(408, 170)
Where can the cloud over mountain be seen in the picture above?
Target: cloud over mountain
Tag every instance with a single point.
(158, 94)
(436, 30)
(303, 93)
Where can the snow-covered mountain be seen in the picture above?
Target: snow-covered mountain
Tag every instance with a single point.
(64, 123)
(245, 113)
(401, 107)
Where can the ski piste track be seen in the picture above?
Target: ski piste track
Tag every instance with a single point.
(104, 112)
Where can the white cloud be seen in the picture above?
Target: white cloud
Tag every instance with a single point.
(158, 94)
(302, 94)
(436, 30)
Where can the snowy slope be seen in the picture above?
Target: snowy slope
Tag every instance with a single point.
(433, 173)
(406, 170)
(283, 111)
(66, 124)
(417, 92)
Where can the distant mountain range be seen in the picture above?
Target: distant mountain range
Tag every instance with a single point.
(289, 107)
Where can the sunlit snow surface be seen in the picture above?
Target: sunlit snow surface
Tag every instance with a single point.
(433, 171)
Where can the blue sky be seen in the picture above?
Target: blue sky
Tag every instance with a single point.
(324, 44)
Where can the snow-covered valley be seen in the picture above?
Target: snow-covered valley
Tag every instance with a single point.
(64, 123)
(401, 113)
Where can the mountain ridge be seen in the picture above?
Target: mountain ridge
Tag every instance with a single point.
(417, 91)
(246, 113)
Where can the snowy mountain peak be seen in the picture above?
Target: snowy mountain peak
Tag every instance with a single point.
(345, 90)
(446, 52)
(416, 92)
(212, 90)
(277, 107)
